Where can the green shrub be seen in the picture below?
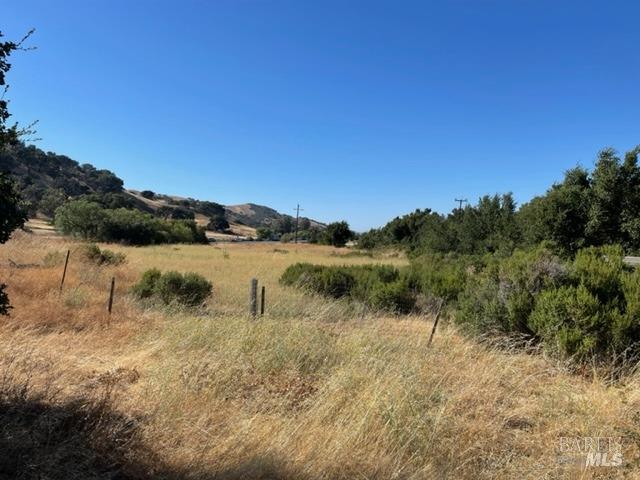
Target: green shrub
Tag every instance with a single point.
(442, 276)
(303, 275)
(502, 295)
(380, 286)
(588, 308)
(395, 297)
(146, 287)
(336, 282)
(600, 270)
(570, 321)
(188, 289)
(93, 253)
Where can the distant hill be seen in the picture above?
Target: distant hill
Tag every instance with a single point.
(47, 179)
(260, 216)
(37, 171)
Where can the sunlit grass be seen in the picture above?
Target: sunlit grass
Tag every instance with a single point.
(316, 389)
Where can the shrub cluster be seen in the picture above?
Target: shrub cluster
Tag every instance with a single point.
(90, 221)
(380, 286)
(585, 308)
(95, 254)
(190, 289)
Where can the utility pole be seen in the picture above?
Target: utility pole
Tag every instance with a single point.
(461, 201)
(295, 237)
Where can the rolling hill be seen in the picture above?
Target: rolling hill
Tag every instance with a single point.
(47, 179)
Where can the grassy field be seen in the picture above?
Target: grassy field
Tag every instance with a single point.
(314, 390)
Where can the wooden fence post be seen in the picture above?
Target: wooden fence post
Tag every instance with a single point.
(435, 322)
(64, 272)
(262, 302)
(253, 297)
(113, 285)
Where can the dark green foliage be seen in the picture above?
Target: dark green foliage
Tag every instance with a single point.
(110, 200)
(145, 288)
(148, 194)
(380, 286)
(38, 172)
(103, 256)
(394, 296)
(570, 320)
(12, 216)
(586, 308)
(441, 275)
(90, 221)
(585, 209)
(182, 214)
(51, 200)
(501, 296)
(218, 224)
(264, 233)
(189, 289)
(337, 234)
(490, 226)
(284, 224)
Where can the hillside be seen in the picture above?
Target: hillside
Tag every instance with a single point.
(258, 215)
(46, 180)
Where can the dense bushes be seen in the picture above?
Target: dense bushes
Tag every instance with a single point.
(90, 221)
(380, 286)
(583, 308)
(500, 296)
(190, 289)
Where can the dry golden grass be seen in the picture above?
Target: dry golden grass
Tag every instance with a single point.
(314, 390)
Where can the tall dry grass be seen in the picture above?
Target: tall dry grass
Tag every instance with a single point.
(314, 390)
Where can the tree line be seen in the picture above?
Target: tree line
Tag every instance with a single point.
(587, 208)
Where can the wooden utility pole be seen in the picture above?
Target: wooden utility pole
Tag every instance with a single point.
(295, 237)
(461, 201)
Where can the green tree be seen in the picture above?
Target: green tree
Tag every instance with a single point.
(264, 233)
(304, 224)
(51, 200)
(630, 215)
(11, 215)
(603, 226)
(80, 218)
(218, 224)
(284, 224)
(561, 215)
(337, 234)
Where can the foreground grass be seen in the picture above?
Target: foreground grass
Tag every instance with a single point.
(315, 389)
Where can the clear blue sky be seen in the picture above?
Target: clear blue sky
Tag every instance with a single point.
(358, 110)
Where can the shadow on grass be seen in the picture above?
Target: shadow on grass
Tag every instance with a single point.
(41, 438)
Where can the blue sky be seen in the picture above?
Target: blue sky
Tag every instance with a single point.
(358, 110)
